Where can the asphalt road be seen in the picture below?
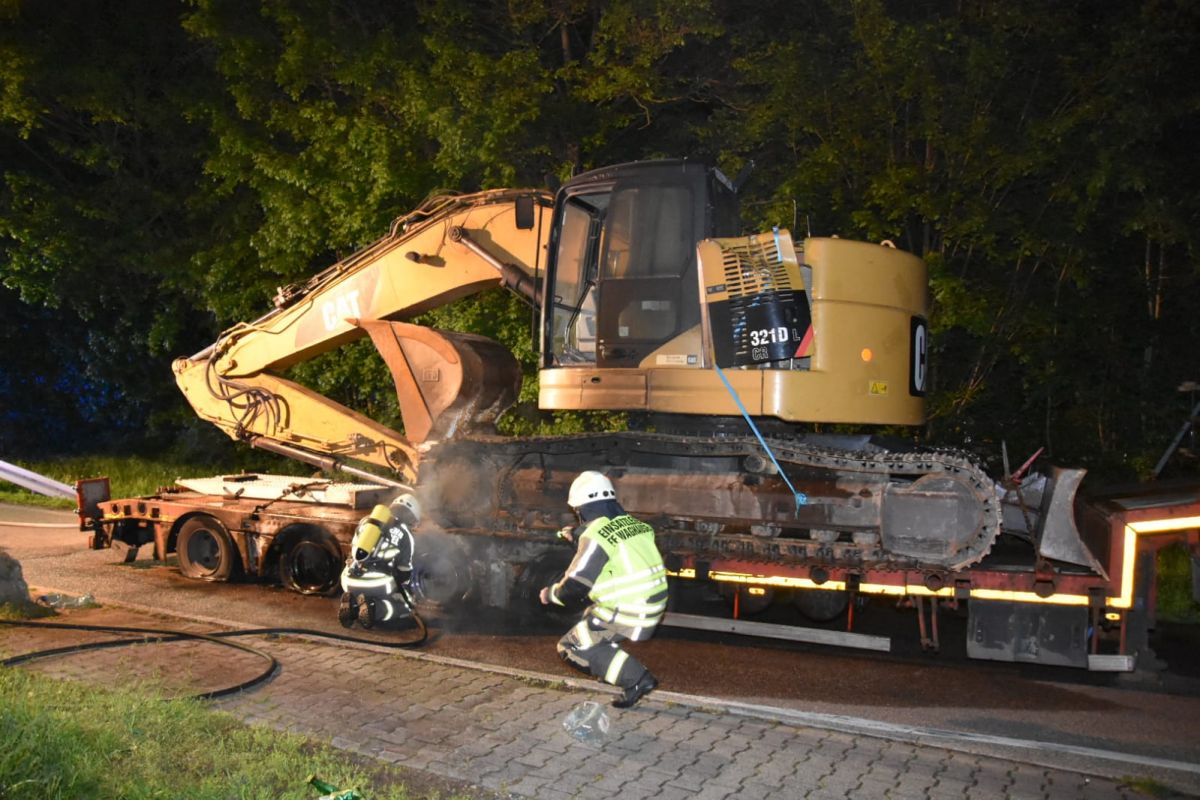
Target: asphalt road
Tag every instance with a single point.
(1143, 715)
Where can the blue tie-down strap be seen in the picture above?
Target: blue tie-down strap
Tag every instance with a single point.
(800, 497)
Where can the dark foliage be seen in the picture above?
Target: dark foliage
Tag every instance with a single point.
(166, 165)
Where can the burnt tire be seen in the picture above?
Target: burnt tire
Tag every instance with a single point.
(206, 551)
(310, 561)
(525, 606)
(441, 578)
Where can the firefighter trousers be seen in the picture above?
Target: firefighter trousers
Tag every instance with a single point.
(593, 646)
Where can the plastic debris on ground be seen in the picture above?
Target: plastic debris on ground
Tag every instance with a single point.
(57, 600)
(331, 792)
(588, 722)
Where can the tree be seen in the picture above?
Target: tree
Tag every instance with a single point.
(982, 137)
(95, 224)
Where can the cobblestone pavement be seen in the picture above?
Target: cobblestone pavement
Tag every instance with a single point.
(503, 731)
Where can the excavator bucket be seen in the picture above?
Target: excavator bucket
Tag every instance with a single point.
(448, 383)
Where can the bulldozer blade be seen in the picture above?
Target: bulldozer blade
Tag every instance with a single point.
(1059, 537)
(447, 383)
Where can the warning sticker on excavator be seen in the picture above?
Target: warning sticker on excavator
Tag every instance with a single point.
(878, 388)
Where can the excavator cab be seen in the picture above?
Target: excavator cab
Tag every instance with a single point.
(650, 292)
(622, 280)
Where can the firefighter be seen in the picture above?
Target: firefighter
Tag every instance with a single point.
(618, 568)
(375, 579)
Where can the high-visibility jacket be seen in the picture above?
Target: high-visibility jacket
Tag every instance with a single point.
(619, 563)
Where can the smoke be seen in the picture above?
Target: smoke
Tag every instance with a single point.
(474, 576)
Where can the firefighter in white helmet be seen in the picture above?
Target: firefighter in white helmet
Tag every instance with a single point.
(375, 579)
(618, 568)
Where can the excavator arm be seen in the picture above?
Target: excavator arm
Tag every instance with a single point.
(447, 383)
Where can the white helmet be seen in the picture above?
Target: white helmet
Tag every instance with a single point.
(589, 487)
(409, 502)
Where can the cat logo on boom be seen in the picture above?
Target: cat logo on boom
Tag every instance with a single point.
(339, 308)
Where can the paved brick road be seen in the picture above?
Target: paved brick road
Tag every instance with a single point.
(503, 731)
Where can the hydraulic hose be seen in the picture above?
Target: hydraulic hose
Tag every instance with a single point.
(154, 635)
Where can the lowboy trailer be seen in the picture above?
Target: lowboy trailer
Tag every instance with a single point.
(297, 530)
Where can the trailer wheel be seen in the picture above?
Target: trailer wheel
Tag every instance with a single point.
(747, 604)
(205, 550)
(524, 605)
(441, 578)
(821, 605)
(311, 562)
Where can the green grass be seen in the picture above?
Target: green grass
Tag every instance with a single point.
(25, 611)
(1149, 787)
(71, 740)
(1174, 574)
(128, 476)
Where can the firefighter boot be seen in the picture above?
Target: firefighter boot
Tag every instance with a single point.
(637, 691)
(347, 610)
(366, 612)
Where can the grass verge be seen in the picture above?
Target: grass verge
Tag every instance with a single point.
(1174, 572)
(67, 739)
(25, 611)
(128, 476)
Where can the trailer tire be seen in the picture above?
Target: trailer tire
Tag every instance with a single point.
(206, 551)
(525, 606)
(747, 604)
(441, 579)
(821, 605)
(311, 562)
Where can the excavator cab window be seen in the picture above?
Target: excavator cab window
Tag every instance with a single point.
(648, 290)
(573, 314)
(624, 274)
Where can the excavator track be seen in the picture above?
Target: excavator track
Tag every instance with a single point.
(930, 510)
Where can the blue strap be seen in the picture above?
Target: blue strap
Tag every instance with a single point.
(800, 497)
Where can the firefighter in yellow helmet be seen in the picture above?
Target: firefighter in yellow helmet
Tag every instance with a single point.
(618, 568)
(375, 579)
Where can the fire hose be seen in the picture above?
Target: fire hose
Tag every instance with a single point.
(155, 635)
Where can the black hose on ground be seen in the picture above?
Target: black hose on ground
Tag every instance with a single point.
(154, 635)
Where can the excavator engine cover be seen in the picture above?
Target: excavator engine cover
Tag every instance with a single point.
(758, 308)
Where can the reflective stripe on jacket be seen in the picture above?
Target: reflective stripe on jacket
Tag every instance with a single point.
(631, 589)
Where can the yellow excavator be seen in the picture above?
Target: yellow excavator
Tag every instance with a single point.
(724, 350)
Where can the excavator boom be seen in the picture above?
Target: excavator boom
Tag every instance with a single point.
(450, 247)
